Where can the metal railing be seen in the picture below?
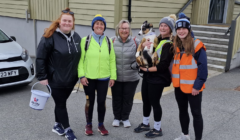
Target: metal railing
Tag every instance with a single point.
(229, 29)
(184, 7)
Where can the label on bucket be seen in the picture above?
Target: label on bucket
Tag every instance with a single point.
(35, 102)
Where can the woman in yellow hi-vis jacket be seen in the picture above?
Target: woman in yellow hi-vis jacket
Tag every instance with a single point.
(189, 73)
(96, 69)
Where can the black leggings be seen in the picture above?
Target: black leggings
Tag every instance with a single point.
(151, 95)
(195, 105)
(101, 87)
(122, 99)
(60, 96)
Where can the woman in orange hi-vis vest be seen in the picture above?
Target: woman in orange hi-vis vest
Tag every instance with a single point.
(189, 73)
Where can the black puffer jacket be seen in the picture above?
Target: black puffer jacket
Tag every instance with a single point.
(57, 59)
(162, 76)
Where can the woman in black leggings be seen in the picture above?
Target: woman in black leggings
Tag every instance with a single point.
(156, 78)
(189, 73)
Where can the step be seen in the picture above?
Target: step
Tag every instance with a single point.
(216, 61)
(210, 34)
(213, 40)
(216, 47)
(216, 67)
(218, 54)
(209, 28)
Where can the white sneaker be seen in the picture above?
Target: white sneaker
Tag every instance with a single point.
(183, 137)
(115, 123)
(126, 123)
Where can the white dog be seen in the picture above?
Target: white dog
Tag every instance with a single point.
(145, 57)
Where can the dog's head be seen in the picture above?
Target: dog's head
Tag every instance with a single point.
(145, 28)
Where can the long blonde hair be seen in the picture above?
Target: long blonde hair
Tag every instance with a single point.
(188, 44)
(55, 24)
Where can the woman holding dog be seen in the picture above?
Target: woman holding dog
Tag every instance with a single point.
(189, 73)
(156, 78)
(123, 91)
(97, 70)
(58, 55)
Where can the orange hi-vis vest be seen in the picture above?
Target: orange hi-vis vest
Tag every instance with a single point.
(184, 70)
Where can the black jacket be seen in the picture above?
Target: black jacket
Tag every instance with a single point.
(57, 59)
(162, 76)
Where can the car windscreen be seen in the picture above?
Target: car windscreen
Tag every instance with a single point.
(4, 37)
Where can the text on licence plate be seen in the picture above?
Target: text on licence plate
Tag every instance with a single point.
(9, 73)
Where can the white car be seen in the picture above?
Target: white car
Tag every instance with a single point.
(16, 66)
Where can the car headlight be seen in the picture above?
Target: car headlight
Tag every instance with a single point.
(24, 55)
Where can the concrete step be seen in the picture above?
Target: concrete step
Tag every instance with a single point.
(209, 28)
(216, 47)
(216, 61)
(216, 68)
(213, 40)
(210, 34)
(216, 54)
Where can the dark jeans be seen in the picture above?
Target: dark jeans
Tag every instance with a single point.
(122, 99)
(60, 96)
(195, 105)
(151, 95)
(101, 87)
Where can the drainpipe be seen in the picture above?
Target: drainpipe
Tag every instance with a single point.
(129, 10)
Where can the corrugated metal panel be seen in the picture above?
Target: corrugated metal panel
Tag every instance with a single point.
(13, 8)
(153, 10)
(86, 10)
(47, 9)
(236, 45)
(236, 11)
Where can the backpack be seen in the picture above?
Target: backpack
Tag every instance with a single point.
(88, 40)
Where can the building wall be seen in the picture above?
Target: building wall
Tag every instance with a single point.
(86, 10)
(153, 10)
(200, 11)
(14, 8)
(46, 9)
(236, 10)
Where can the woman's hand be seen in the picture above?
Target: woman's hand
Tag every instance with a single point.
(44, 82)
(143, 69)
(195, 92)
(84, 81)
(111, 83)
(146, 43)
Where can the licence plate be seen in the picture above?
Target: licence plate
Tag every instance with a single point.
(9, 73)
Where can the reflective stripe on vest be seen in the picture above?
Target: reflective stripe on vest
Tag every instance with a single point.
(192, 66)
(160, 46)
(184, 71)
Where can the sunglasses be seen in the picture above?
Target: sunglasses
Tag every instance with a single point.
(65, 11)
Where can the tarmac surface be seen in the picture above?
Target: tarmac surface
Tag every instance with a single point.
(220, 107)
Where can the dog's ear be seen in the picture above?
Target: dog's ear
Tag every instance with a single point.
(145, 22)
(150, 25)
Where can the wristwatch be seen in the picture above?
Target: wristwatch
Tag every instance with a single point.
(147, 70)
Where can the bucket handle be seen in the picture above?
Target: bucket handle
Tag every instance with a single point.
(47, 85)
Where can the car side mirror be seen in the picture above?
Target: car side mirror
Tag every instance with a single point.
(13, 37)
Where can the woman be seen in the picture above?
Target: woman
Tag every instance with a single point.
(57, 60)
(123, 91)
(96, 69)
(156, 78)
(189, 73)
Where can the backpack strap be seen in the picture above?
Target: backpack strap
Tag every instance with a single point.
(88, 40)
(109, 44)
(134, 39)
(113, 40)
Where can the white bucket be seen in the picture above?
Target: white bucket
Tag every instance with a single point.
(39, 98)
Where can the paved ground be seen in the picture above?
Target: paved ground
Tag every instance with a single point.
(221, 112)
